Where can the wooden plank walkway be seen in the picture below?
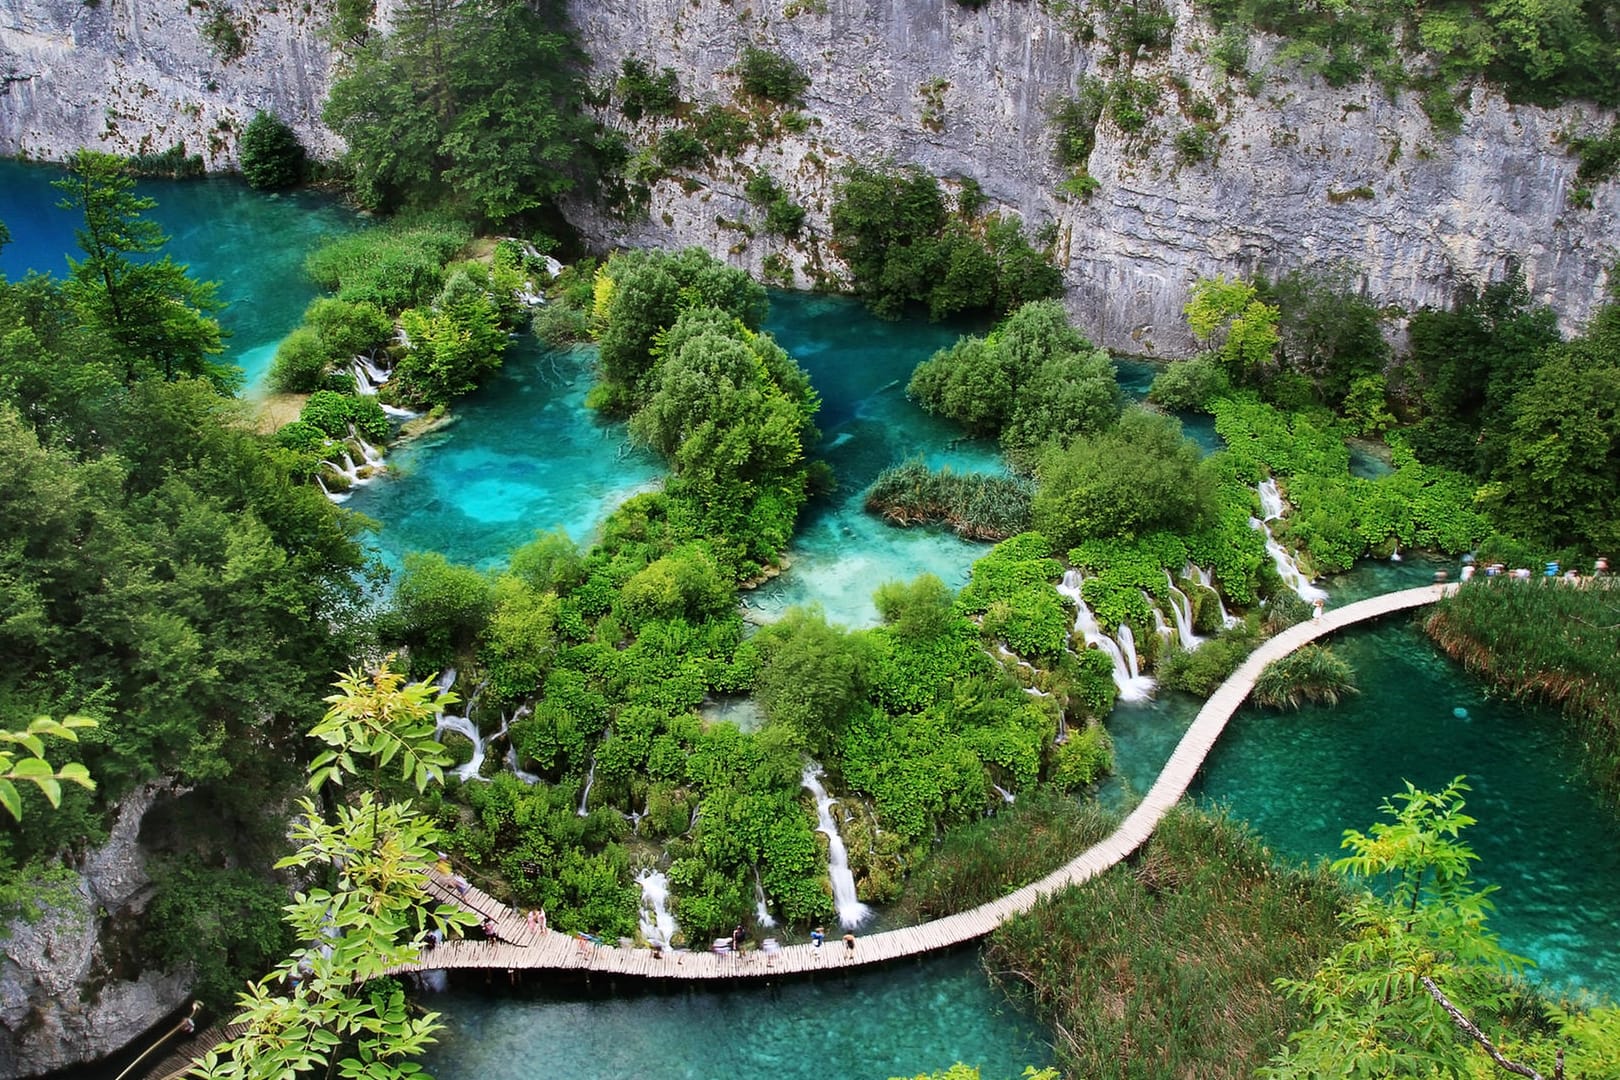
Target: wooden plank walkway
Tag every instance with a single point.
(556, 951)
(517, 949)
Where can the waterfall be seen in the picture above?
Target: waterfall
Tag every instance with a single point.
(1183, 615)
(850, 910)
(1207, 580)
(584, 796)
(762, 913)
(1127, 646)
(1271, 500)
(335, 496)
(512, 763)
(368, 376)
(1131, 688)
(1006, 796)
(465, 727)
(1160, 626)
(1287, 568)
(657, 925)
(1395, 556)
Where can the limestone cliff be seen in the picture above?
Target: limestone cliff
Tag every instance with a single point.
(64, 996)
(138, 76)
(1300, 172)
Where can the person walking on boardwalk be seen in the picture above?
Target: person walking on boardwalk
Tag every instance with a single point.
(849, 947)
(817, 936)
(737, 941)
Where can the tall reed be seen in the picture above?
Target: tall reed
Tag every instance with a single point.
(1545, 641)
(978, 506)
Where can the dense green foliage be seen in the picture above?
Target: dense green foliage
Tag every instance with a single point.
(1543, 642)
(903, 245)
(978, 506)
(334, 332)
(170, 577)
(474, 106)
(1138, 477)
(1163, 966)
(270, 153)
(1033, 380)
(1012, 589)
(394, 266)
(1190, 385)
(1545, 53)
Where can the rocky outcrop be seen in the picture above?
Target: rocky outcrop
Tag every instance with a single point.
(138, 76)
(1300, 172)
(63, 998)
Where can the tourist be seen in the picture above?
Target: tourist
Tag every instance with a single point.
(543, 920)
(443, 865)
(488, 926)
(817, 936)
(1317, 609)
(737, 940)
(1468, 572)
(533, 920)
(1600, 567)
(431, 942)
(849, 947)
(463, 886)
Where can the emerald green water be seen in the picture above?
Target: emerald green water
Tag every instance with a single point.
(903, 1020)
(252, 244)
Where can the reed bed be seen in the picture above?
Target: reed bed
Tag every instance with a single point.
(1163, 966)
(976, 506)
(1025, 840)
(1313, 673)
(1545, 641)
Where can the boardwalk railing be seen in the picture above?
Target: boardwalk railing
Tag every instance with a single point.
(561, 952)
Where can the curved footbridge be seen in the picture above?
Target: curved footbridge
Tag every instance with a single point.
(518, 949)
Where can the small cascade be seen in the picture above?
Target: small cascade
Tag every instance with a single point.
(464, 727)
(1160, 626)
(1287, 568)
(1006, 796)
(1207, 580)
(434, 980)
(1182, 611)
(1143, 684)
(1130, 687)
(850, 909)
(584, 796)
(657, 925)
(762, 912)
(335, 496)
(1035, 691)
(1395, 556)
(512, 763)
(1271, 500)
(368, 376)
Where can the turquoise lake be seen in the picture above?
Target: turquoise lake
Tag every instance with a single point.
(525, 455)
(252, 244)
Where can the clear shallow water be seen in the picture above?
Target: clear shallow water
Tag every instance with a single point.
(252, 244)
(903, 1020)
(860, 365)
(523, 455)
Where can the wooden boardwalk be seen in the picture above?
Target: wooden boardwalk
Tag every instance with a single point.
(557, 951)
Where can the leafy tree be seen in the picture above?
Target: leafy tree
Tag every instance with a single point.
(1138, 477)
(453, 348)
(1421, 966)
(159, 320)
(1230, 319)
(1329, 334)
(813, 677)
(474, 105)
(771, 76)
(439, 609)
(1190, 385)
(271, 155)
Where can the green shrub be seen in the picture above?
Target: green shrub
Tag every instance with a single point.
(1074, 122)
(392, 266)
(1203, 670)
(641, 92)
(1131, 102)
(223, 33)
(679, 148)
(1313, 673)
(172, 164)
(1190, 385)
(978, 506)
(270, 153)
(1600, 156)
(770, 76)
(300, 362)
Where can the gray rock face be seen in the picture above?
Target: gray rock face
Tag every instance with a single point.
(138, 76)
(62, 999)
(1302, 172)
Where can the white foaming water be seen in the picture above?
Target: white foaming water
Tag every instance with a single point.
(464, 727)
(1006, 796)
(1271, 500)
(1131, 687)
(1207, 580)
(657, 925)
(357, 474)
(1182, 611)
(1127, 646)
(368, 376)
(584, 796)
(1287, 568)
(762, 912)
(850, 910)
(1160, 626)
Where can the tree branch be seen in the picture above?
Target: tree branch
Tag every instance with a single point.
(1469, 1028)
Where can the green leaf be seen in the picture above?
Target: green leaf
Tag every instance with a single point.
(10, 799)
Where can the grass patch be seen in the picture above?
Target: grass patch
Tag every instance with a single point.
(990, 858)
(1312, 673)
(978, 506)
(1163, 967)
